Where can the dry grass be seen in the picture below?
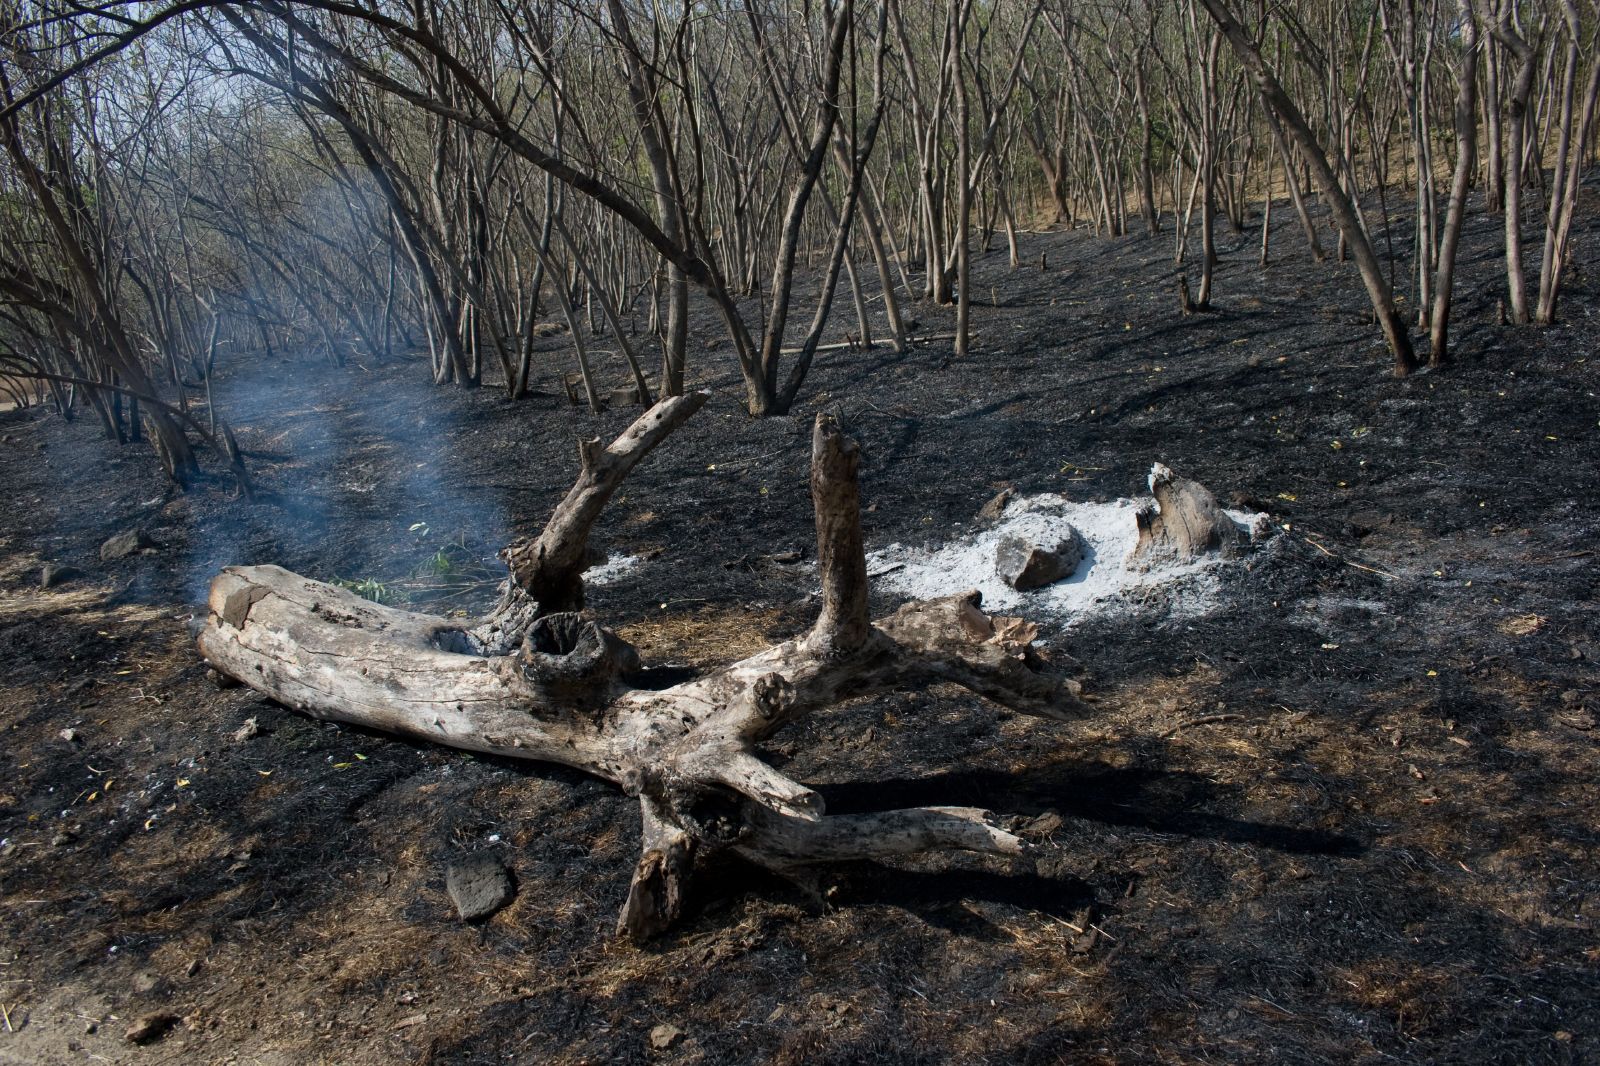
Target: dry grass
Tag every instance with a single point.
(1411, 993)
(710, 636)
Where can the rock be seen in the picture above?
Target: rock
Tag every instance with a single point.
(1244, 501)
(144, 982)
(991, 511)
(151, 1027)
(664, 1036)
(125, 544)
(1024, 565)
(1365, 523)
(53, 574)
(478, 885)
(69, 735)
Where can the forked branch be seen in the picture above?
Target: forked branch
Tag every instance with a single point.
(689, 752)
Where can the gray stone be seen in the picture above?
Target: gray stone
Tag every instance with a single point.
(145, 982)
(478, 885)
(1365, 523)
(125, 544)
(1024, 565)
(1043, 825)
(53, 574)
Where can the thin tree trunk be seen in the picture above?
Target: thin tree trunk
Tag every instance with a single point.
(1344, 212)
(1516, 149)
(964, 194)
(1466, 148)
(1572, 137)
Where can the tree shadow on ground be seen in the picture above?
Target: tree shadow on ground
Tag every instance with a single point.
(1155, 799)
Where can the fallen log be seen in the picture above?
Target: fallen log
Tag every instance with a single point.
(538, 680)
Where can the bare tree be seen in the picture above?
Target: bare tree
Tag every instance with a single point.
(1344, 212)
(1466, 124)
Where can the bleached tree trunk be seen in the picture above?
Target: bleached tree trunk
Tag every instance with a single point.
(561, 691)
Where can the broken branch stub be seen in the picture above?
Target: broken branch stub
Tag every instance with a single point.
(562, 693)
(547, 570)
(843, 624)
(1185, 523)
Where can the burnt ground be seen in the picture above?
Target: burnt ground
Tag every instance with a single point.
(1348, 816)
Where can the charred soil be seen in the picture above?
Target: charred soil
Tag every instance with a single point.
(1347, 815)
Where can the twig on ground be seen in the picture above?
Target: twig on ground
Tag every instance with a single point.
(1347, 562)
(1205, 719)
(1562, 558)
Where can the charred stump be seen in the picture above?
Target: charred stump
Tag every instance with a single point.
(1184, 523)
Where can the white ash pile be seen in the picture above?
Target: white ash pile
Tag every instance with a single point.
(1050, 556)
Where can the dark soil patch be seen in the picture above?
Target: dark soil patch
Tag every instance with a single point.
(1380, 846)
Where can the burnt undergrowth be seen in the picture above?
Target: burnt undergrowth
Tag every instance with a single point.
(1346, 815)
